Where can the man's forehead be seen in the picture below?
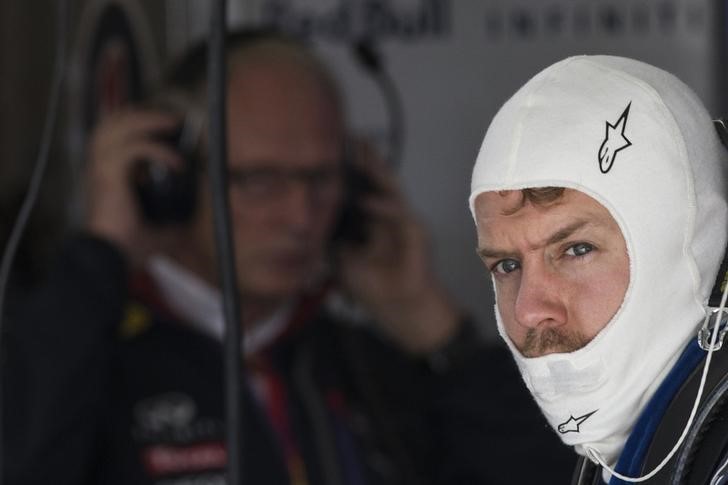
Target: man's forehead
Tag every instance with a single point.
(492, 205)
(281, 123)
(488, 204)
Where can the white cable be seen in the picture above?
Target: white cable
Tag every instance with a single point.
(42, 160)
(35, 181)
(594, 454)
(718, 476)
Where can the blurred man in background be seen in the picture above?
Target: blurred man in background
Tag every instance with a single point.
(114, 374)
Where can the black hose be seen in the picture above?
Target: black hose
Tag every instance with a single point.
(369, 57)
(217, 153)
(36, 178)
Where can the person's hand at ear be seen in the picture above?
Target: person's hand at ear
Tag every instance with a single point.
(120, 140)
(390, 273)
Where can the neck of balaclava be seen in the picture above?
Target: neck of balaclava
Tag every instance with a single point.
(593, 397)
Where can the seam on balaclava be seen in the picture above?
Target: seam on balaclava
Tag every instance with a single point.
(523, 112)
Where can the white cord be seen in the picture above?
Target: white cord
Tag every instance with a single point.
(41, 162)
(35, 182)
(718, 476)
(594, 454)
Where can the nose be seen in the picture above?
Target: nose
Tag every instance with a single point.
(540, 300)
(299, 208)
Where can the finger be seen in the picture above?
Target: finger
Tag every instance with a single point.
(130, 124)
(370, 165)
(116, 158)
(381, 248)
(383, 180)
(365, 153)
(136, 121)
(394, 229)
(157, 152)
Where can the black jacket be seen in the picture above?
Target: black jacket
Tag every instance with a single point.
(90, 401)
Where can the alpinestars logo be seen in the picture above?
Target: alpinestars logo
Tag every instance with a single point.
(614, 141)
(573, 424)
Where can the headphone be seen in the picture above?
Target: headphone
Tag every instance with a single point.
(169, 197)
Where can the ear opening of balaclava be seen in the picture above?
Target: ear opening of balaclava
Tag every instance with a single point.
(637, 140)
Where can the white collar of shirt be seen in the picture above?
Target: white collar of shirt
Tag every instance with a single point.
(201, 305)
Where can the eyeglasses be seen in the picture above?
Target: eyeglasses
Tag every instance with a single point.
(262, 185)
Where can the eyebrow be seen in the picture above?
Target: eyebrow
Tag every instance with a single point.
(558, 236)
(567, 231)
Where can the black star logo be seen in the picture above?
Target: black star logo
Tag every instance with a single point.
(614, 141)
(572, 424)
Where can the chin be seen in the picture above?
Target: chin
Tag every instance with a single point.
(277, 287)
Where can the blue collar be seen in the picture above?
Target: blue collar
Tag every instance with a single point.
(633, 454)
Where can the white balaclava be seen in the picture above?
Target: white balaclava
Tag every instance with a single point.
(637, 140)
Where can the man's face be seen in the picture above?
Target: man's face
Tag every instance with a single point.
(285, 152)
(561, 269)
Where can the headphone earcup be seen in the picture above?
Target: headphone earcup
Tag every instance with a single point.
(352, 225)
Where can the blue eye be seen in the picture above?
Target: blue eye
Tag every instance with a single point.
(579, 249)
(505, 266)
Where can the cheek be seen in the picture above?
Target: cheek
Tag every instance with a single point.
(335, 195)
(328, 211)
(615, 288)
(329, 216)
(599, 297)
(251, 231)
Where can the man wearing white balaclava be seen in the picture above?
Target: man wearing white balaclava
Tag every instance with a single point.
(602, 286)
